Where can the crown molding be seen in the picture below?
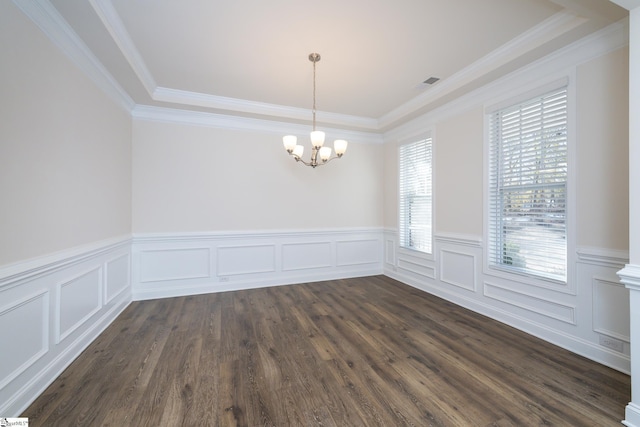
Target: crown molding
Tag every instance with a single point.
(114, 25)
(48, 19)
(557, 24)
(627, 4)
(551, 67)
(177, 96)
(222, 121)
(53, 25)
(116, 28)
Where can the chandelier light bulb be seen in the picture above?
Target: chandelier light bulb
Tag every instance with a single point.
(325, 153)
(340, 145)
(298, 151)
(317, 139)
(290, 142)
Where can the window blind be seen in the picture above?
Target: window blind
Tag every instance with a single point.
(416, 195)
(528, 187)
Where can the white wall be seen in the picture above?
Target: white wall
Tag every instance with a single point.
(65, 149)
(65, 216)
(602, 152)
(590, 314)
(218, 209)
(195, 178)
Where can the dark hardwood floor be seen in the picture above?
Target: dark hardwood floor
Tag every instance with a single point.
(357, 352)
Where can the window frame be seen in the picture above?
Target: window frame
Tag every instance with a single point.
(530, 92)
(410, 249)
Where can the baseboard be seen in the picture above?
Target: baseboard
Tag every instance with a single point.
(632, 415)
(172, 265)
(57, 304)
(178, 290)
(612, 359)
(18, 403)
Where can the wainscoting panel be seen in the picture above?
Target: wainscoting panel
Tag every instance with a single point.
(611, 315)
(458, 269)
(78, 299)
(51, 308)
(390, 252)
(252, 259)
(174, 264)
(589, 316)
(357, 252)
(24, 334)
(413, 265)
(530, 302)
(117, 277)
(303, 256)
(248, 259)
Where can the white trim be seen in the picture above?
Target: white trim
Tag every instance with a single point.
(53, 25)
(37, 384)
(105, 279)
(443, 271)
(253, 259)
(459, 239)
(44, 349)
(632, 415)
(598, 281)
(570, 286)
(177, 290)
(178, 96)
(570, 308)
(222, 121)
(558, 337)
(557, 24)
(114, 25)
(529, 77)
(248, 234)
(630, 276)
(428, 133)
(627, 4)
(30, 268)
(525, 96)
(44, 277)
(58, 334)
(601, 256)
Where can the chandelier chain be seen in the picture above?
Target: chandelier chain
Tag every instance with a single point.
(314, 95)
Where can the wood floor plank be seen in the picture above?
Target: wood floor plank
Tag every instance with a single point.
(354, 352)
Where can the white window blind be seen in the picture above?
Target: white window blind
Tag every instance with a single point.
(528, 187)
(416, 195)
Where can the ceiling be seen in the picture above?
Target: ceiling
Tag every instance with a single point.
(249, 58)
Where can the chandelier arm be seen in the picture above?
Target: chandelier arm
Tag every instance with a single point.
(328, 160)
(316, 163)
(299, 159)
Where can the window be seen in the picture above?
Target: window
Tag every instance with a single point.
(528, 187)
(416, 195)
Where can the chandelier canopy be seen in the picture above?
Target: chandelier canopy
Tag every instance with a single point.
(317, 136)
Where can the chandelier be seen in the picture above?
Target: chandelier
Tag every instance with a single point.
(319, 155)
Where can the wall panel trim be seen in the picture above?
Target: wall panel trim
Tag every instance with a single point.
(538, 305)
(44, 344)
(76, 276)
(244, 260)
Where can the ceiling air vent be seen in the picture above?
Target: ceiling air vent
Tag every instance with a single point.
(431, 80)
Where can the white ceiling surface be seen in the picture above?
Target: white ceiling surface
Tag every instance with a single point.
(249, 57)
